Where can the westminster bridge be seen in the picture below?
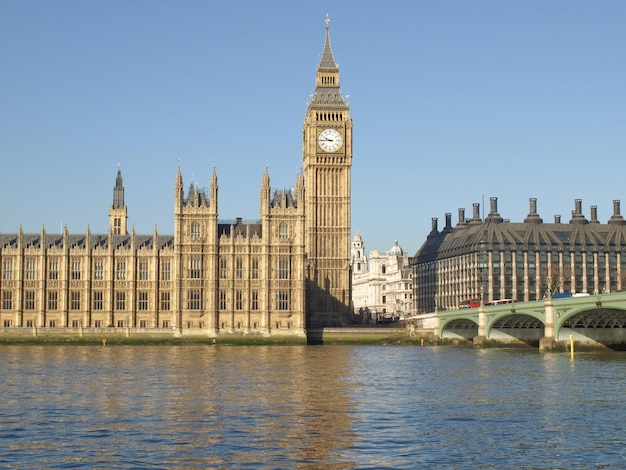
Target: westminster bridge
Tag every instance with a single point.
(587, 319)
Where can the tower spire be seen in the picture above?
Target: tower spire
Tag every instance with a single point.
(118, 191)
(328, 60)
(118, 213)
(327, 76)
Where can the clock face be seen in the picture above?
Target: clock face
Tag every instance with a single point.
(329, 140)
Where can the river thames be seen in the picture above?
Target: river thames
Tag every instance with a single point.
(70, 406)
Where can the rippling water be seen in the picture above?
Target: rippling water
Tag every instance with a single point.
(309, 407)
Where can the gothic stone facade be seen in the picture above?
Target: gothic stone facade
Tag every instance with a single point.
(273, 276)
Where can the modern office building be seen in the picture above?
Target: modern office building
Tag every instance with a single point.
(280, 274)
(498, 260)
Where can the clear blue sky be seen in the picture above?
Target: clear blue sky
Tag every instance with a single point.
(453, 102)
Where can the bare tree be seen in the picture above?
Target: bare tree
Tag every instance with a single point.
(556, 282)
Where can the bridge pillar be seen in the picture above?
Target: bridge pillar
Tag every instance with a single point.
(437, 323)
(548, 342)
(480, 339)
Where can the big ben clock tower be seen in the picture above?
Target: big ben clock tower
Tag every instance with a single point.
(327, 159)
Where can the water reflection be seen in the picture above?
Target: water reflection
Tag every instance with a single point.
(184, 405)
(308, 407)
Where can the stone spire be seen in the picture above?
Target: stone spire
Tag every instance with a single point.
(213, 189)
(327, 94)
(328, 60)
(179, 191)
(118, 190)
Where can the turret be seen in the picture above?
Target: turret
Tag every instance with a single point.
(299, 189)
(266, 193)
(213, 191)
(179, 192)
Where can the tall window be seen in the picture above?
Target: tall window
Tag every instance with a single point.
(53, 300)
(283, 231)
(76, 270)
(120, 301)
(282, 300)
(7, 269)
(143, 271)
(165, 271)
(98, 270)
(97, 300)
(29, 300)
(142, 303)
(194, 300)
(75, 300)
(284, 267)
(53, 270)
(7, 300)
(195, 268)
(31, 269)
(121, 271)
(222, 300)
(223, 266)
(165, 301)
(238, 268)
(238, 300)
(255, 268)
(255, 300)
(195, 230)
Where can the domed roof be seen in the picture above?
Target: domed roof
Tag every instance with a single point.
(396, 250)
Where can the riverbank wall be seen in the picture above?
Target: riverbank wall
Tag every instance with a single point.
(111, 336)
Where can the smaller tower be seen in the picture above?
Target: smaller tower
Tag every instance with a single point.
(359, 259)
(118, 213)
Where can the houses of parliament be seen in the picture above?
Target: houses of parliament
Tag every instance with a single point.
(281, 275)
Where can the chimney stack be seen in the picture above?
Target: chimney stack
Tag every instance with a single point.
(533, 217)
(616, 218)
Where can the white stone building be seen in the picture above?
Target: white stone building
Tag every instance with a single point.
(381, 285)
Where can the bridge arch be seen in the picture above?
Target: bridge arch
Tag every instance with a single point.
(606, 325)
(516, 318)
(516, 326)
(465, 326)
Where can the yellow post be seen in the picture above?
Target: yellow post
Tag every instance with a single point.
(571, 346)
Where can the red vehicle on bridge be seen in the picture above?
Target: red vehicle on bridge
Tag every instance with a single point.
(469, 303)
